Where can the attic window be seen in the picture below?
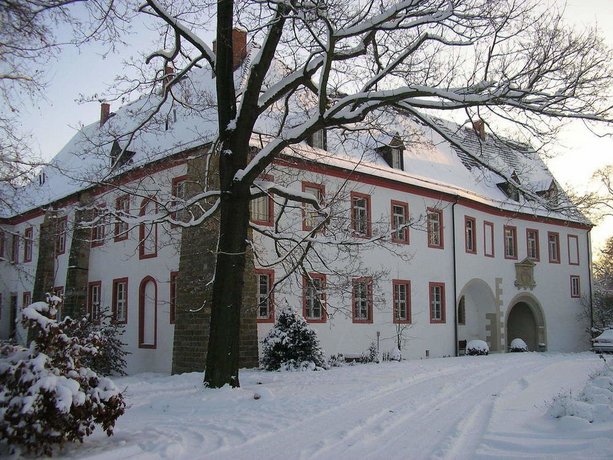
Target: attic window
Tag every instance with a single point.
(42, 178)
(392, 153)
(510, 190)
(551, 194)
(318, 139)
(119, 156)
(396, 156)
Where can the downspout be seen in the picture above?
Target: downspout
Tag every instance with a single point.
(455, 278)
(589, 278)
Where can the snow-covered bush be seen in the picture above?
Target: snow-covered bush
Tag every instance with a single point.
(477, 348)
(395, 354)
(371, 355)
(336, 360)
(292, 345)
(518, 346)
(47, 396)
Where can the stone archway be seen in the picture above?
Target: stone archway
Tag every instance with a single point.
(525, 320)
(476, 305)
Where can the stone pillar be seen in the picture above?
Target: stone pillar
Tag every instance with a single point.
(45, 263)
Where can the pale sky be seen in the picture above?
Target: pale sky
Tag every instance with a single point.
(54, 121)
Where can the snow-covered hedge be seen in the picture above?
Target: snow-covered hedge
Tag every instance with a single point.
(477, 347)
(47, 396)
(518, 346)
(292, 344)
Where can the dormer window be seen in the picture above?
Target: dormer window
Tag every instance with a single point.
(318, 139)
(393, 153)
(551, 194)
(396, 155)
(509, 188)
(42, 178)
(119, 156)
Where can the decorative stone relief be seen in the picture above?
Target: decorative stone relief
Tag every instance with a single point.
(524, 274)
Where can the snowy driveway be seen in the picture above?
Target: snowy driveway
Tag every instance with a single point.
(456, 408)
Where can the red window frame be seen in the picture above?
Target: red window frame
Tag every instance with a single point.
(26, 299)
(15, 248)
(513, 232)
(441, 243)
(354, 222)
(405, 237)
(576, 247)
(306, 208)
(173, 296)
(28, 236)
(116, 282)
(92, 310)
(176, 181)
(142, 230)
(270, 212)
(306, 281)
(488, 229)
(60, 238)
(369, 300)
(141, 313)
(556, 239)
(395, 301)
(98, 233)
(122, 229)
(431, 287)
(470, 238)
(575, 286)
(537, 248)
(268, 297)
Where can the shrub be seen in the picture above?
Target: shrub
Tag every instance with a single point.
(371, 355)
(518, 346)
(477, 348)
(336, 360)
(291, 344)
(47, 396)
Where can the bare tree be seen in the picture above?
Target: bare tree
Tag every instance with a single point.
(324, 65)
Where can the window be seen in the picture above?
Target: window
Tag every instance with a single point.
(362, 300)
(396, 155)
(510, 242)
(470, 235)
(27, 299)
(60, 237)
(122, 208)
(488, 239)
(575, 288)
(462, 312)
(179, 193)
(93, 300)
(14, 248)
(99, 227)
(59, 292)
(262, 208)
(400, 220)
(437, 302)
(314, 297)
(148, 232)
(435, 228)
(573, 249)
(147, 313)
(318, 139)
(310, 216)
(360, 214)
(28, 236)
(553, 244)
(264, 283)
(532, 244)
(173, 296)
(120, 300)
(402, 301)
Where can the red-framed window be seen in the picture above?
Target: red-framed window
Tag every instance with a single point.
(400, 222)
(28, 243)
(179, 194)
(99, 227)
(174, 276)
(120, 300)
(265, 280)
(470, 235)
(575, 287)
(488, 239)
(60, 237)
(122, 209)
(435, 228)
(510, 242)
(15, 248)
(553, 247)
(362, 301)
(26, 299)
(437, 302)
(532, 244)
(310, 216)
(314, 298)
(147, 313)
(262, 208)
(360, 215)
(94, 299)
(148, 232)
(401, 297)
(573, 249)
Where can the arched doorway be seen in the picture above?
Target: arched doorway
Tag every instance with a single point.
(525, 321)
(476, 314)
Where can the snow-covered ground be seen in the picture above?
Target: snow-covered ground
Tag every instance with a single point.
(497, 406)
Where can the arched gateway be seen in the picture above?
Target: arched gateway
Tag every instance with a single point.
(525, 320)
(476, 314)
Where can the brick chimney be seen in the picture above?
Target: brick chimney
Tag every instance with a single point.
(239, 47)
(169, 73)
(479, 127)
(105, 112)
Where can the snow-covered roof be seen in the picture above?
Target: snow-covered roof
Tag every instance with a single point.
(444, 156)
